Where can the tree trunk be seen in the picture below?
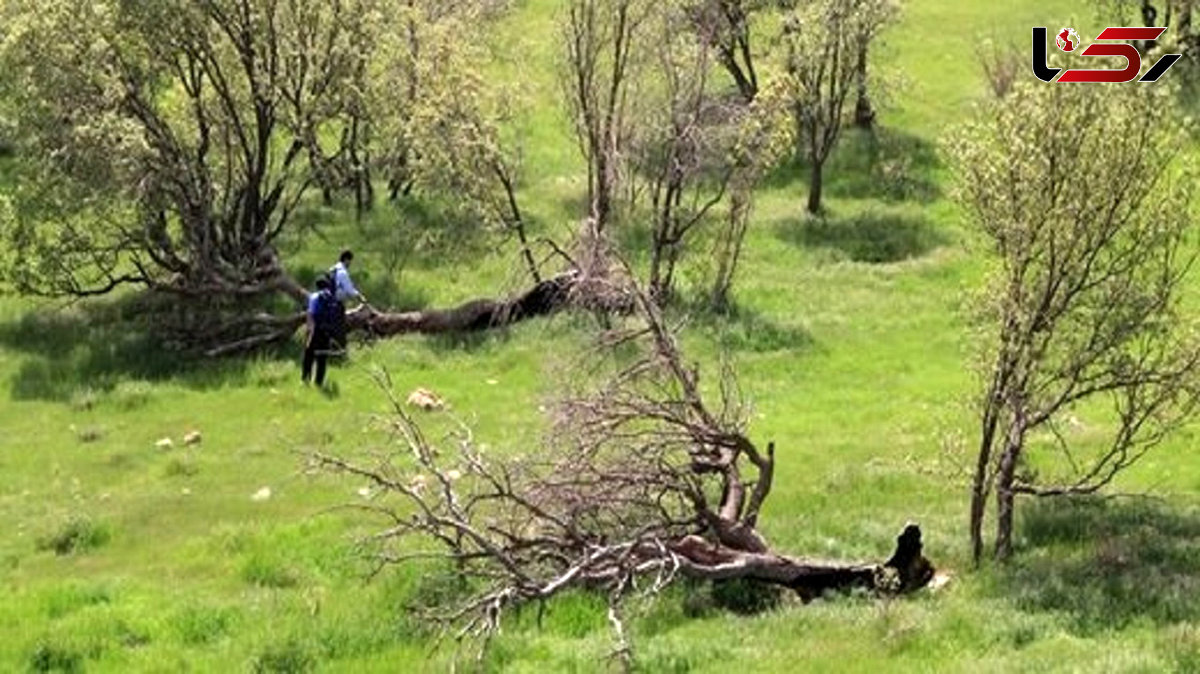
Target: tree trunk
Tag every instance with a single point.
(657, 253)
(905, 571)
(543, 299)
(746, 84)
(864, 113)
(1005, 496)
(516, 221)
(814, 188)
(979, 485)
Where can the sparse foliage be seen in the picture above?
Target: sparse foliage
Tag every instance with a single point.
(877, 15)
(762, 138)
(683, 145)
(439, 121)
(724, 26)
(825, 41)
(1081, 197)
(1001, 66)
(605, 50)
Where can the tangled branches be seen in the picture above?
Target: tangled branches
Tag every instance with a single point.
(642, 483)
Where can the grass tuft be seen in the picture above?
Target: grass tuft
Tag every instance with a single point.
(77, 534)
(289, 657)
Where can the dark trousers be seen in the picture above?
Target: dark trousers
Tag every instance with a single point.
(316, 351)
(337, 333)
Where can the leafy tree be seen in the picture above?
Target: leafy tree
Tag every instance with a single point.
(877, 16)
(825, 40)
(167, 140)
(169, 144)
(438, 122)
(1084, 203)
(761, 138)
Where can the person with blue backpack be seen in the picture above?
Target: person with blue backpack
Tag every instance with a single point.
(322, 321)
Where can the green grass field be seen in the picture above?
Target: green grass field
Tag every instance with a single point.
(848, 338)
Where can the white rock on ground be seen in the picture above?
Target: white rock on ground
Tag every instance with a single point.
(261, 495)
(426, 400)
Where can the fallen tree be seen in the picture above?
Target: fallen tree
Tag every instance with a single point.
(641, 483)
(544, 298)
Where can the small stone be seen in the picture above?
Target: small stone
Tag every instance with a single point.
(365, 492)
(165, 443)
(192, 438)
(417, 483)
(939, 581)
(492, 382)
(185, 491)
(426, 400)
(453, 475)
(261, 495)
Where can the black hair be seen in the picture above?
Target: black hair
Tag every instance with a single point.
(322, 283)
(346, 256)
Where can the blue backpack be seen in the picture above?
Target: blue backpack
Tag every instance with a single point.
(328, 315)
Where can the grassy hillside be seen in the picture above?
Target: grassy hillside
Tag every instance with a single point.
(848, 339)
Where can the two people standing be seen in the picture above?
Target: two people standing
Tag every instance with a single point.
(326, 317)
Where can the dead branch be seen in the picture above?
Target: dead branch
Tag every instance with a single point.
(642, 482)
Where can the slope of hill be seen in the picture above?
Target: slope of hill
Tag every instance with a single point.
(848, 339)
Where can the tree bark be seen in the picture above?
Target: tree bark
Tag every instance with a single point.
(979, 485)
(864, 113)
(814, 188)
(905, 571)
(1006, 495)
(543, 299)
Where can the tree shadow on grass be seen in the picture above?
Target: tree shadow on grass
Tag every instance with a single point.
(97, 345)
(870, 236)
(885, 164)
(1107, 563)
(468, 342)
(741, 328)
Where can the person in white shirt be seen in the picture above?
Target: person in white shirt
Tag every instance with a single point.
(342, 284)
(343, 290)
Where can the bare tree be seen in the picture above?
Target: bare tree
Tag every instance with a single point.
(1001, 65)
(724, 25)
(683, 147)
(1079, 194)
(643, 482)
(605, 46)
